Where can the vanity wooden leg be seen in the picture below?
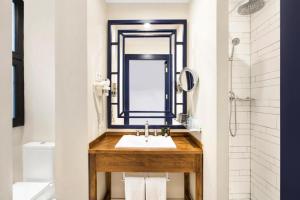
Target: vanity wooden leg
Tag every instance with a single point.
(198, 190)
(108, 185)
(92, 177)
(187, 194)
(199, 180)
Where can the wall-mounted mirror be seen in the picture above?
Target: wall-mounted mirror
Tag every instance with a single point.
(145, 58)
(188, 79)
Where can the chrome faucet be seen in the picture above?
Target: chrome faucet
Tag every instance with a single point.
(146, 129)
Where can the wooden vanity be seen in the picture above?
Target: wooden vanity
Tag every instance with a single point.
(186, 158)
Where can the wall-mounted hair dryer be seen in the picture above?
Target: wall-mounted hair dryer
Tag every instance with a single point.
(101, 89)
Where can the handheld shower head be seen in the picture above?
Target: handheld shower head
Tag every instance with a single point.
(235, 41)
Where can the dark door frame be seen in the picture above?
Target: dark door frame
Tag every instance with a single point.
(290, 99)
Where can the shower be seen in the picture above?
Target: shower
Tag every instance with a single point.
(235, 42)
(232, 96)
(247, 8)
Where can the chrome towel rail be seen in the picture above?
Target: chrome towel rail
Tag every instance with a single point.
(167, 177)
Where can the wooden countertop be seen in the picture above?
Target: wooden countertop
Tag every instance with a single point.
(185, 144)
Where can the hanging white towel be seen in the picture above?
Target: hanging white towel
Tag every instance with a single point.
(156, 188)
(134, 188)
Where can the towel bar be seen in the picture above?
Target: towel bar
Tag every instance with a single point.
(167, 177)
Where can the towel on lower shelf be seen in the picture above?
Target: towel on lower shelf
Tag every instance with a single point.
(134, 188)
(156, 188)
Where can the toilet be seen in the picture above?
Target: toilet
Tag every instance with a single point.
(38, 160)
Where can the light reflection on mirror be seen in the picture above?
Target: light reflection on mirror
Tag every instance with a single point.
(147, 89)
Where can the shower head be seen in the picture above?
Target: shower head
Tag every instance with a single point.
(235, 41)
(251, 7)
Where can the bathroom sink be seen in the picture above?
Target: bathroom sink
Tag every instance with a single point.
(132, 141)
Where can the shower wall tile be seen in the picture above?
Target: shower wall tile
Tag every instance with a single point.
(239, 146)
(265, 110)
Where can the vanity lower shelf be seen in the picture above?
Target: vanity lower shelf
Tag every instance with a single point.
(187, 157)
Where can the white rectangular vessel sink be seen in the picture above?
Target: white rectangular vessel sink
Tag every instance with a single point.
(132, 141)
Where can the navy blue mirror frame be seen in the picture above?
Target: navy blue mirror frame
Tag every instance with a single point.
(121, 114)
(136, 33)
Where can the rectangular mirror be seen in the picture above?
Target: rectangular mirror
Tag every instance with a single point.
(144, 60)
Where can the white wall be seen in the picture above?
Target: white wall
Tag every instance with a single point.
(265, 110)
(208, 30)
(147, 11)
(96, 55)
(97, 52)
(17, 144)
(6, 101)
(239, 146)
(39, 70)
(71, 100)
(147, 46)
(222, 100)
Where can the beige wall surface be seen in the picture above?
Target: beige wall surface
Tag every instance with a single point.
(96, 59)
(208, 32)
(71, 102)
(39, 70)
(6, 102)
(96, 52)
(147, 11)
(147, 46)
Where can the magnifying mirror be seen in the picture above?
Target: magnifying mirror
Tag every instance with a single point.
(188, 79)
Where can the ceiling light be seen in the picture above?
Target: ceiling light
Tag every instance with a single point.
(147, 25)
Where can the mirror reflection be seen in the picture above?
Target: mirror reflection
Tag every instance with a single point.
(146, 93)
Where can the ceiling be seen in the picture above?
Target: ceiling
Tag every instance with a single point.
(147, 1)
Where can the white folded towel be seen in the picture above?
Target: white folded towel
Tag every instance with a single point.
(134, 188)
(156, 188)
